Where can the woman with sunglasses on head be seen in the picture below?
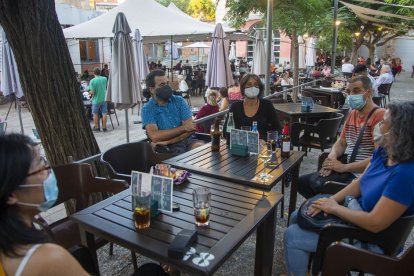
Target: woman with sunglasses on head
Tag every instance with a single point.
(384, 192)
(27, 187)
(254, 108)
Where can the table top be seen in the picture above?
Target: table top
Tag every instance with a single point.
(296, 109)
(242, 170)
(236, 211)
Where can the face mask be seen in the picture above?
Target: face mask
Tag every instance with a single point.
(356, 101)
(50, 191)
(164, 93)
(251, 92)
(378, 136)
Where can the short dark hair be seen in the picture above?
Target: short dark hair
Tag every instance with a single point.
(401, 138)
(97, 71)
(150, 80)
(347, 59)
(360, 68)
(224, 92)
(246, 78)
(366, 82)
(15, 160)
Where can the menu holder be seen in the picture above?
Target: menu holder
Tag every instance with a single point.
(161, 188)
(245, 138)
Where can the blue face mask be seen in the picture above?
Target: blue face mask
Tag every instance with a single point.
(356, 101)
(50, 191)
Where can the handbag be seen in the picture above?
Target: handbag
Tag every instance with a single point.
(316, 223)
(317, 181)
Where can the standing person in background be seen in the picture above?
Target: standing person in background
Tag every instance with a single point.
(97, 90)
(394, 69)
(254, 108)
(105, 71)
(28, 186)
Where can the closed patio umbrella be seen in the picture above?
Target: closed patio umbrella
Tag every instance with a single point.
(123, 86)
(310, 52)
(140, 59)
(302, 52)
(218, 65)
(259, 55)
(10, 80)
(232, 55)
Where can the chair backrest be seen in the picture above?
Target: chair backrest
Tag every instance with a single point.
(328, 128)
(76, 181)
(123, 159)
(384, 88)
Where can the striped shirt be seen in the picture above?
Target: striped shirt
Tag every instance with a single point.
(352, 128)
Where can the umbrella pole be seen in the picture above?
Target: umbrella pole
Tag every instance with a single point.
(269, 45)
(127, 125)
(172, 72)
(19, 108)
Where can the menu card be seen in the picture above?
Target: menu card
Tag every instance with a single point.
(161, 188)
(245, 138)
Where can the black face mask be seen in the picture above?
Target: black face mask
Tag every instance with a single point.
(164, 93)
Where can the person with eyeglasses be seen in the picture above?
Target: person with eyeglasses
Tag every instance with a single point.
(28, 186)
(254, 108)
(363, 111)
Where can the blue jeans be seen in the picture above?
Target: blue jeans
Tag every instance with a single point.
(299, 243)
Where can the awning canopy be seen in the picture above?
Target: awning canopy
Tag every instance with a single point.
(156, 23)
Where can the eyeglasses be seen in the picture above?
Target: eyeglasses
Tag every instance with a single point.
(45, 167)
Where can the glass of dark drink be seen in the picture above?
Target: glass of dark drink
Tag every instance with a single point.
(142, 210)
(202, 206)
(272, 137)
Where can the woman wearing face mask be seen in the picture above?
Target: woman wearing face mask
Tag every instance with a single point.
(27, 187)
(254, 108)
(384, 191)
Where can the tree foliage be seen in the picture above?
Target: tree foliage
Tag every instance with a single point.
(181, 4)
(203, 10)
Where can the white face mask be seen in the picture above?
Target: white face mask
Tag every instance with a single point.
(378, 136)
(251, 92)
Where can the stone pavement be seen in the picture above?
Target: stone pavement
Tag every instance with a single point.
(242, 261)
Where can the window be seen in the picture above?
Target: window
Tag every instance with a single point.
(89, 50)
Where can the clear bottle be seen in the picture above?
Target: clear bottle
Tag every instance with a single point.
(285, 141)
(229, 127)
(254, 126)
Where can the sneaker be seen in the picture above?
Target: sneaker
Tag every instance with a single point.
(104, 129)
(96, 129)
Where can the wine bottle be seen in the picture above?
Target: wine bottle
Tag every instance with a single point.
(285, 141)
(215, 136)
(229, 127)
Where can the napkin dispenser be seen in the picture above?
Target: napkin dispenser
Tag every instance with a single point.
(239, 150)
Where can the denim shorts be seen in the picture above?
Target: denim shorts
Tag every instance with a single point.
(96, 107)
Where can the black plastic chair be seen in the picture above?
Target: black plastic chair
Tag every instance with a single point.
(111, 110)
(320, 136)
(384, 89)
(342, 258)
(379, 100)
(391, 240)
(123, 159)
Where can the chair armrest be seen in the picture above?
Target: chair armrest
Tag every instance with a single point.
(296, 130)
(337, 232)
(342, 257)
(44, 225)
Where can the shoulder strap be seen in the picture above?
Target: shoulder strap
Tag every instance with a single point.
(26, 259)
(361, 133)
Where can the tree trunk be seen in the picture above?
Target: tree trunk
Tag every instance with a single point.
(354, 55)
(371, 52)
(48, 78)
(295, 54)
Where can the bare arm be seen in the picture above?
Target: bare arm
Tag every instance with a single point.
(52, 259)
(224, 104)
(175, 139)
(157, 135)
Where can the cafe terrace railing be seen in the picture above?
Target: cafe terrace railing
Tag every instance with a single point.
(97, 157)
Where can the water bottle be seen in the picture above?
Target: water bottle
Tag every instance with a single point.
(229, 127)
(254, 126)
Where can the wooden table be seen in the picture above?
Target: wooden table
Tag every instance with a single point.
(335, 98)
(293, 112)
(242, 170)
(236, 212)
